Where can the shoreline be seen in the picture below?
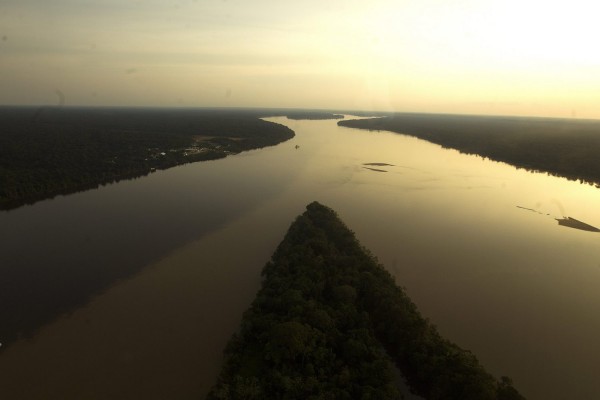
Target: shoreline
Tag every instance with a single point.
(52, 152)
(561, 147)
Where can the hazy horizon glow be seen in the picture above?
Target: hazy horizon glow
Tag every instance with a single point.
(475, 57)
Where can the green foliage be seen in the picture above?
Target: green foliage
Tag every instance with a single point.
(562, 147)
(329, 320)
(46, 151)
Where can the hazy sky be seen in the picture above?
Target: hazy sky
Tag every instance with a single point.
(493, 57)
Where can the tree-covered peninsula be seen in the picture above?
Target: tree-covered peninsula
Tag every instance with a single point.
(49, 151)
(563, 147)
(330, 323)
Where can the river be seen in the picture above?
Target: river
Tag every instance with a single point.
(132, 290)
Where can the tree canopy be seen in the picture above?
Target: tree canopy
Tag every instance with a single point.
(49, 151)
(330, 323)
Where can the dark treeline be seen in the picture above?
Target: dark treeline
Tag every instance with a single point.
(312, 115)
(330, 323)
(562, 147)
(49, 151)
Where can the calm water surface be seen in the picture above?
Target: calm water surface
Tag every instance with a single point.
(132, 290)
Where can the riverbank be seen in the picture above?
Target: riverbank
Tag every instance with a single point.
(561, 147)
(45, 152)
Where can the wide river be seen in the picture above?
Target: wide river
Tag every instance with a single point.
(132, 290)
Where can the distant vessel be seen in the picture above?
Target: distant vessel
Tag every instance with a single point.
(574, 223)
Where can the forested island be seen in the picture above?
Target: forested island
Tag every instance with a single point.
(330, 323)
(50, 150)
(562, 147)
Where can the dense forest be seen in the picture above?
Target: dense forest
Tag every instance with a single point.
(330, 323)
(562, 147)
(312, 115)
(49, 151)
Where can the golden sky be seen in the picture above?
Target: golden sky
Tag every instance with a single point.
(517, 57)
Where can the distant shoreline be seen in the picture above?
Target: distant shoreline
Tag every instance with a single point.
(560, 147)
(313, 116)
